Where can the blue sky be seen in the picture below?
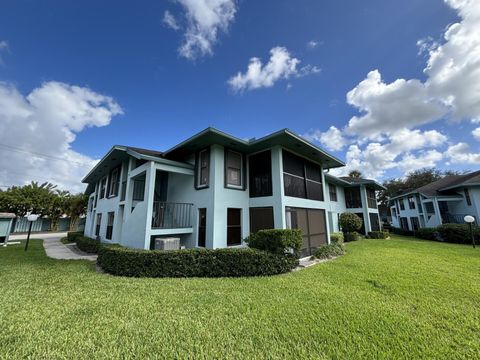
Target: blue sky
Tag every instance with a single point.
(125, 51)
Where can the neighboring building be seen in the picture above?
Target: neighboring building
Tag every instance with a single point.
(213, 190)
(444, 201)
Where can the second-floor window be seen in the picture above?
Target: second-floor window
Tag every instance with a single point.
(114, 182)
(103, 186)
(332, 189)
(411, 202)
(302, 178)
(467, 197)
(203, 169)
(371, 199)
(233, 169)
(99, 223)
(402, 204)
(260, 174)
(353, 200)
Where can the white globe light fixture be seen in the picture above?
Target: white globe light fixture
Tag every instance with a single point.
(469, 219)
(31, 219)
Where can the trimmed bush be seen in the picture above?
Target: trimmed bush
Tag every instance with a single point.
(399, 231)
(351, 236)
(336, 238)
(350, 222)
(427, 233)
(88, 245)
(378, 235)
(457, 233)
(276, 241)
(73, 235)
(193, 262)
(329, 251)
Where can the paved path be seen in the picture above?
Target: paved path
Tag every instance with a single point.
(55, 249)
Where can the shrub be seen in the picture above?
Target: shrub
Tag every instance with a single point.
(276, 241)
(399, 231)
(193, 262)
(427, 233)
(73, 235)
(378, 235)
(336, 238)
(457, 233)
(350, 222)
(88, 245)
(329, 251)
(351, 236)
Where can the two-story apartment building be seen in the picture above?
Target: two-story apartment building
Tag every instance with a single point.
(444, 201)
(213, 190)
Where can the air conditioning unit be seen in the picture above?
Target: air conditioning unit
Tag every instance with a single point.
(167, 243)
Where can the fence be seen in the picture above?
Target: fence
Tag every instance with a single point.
(43, 225)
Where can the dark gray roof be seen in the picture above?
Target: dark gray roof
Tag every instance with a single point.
(362, 181)
(145, 151)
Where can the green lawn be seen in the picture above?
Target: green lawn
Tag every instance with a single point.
(385, 299)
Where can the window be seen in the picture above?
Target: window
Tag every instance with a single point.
(374, 222)
(99, 222)
(202, 227)
(352, 198)
(260, 173)
(302, 178)
(394, 211)
(332, 189)
(203, 168)
(371, 199)
(402, 204)
(404, 223)
(467, 197)
(312, 224)
(90, 204)
(415, 224)
(139, 188)
(261, 218)
(103, 185)
(411, 202)
(234, 227)
(233, 169)
(110, 219)
(114, 182)
(429, 208)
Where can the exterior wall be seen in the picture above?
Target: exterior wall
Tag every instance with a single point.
(335, 208)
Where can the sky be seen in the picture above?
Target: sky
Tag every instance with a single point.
(388, 86)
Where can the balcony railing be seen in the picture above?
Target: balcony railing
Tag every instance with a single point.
(454, 219)
(168, 215)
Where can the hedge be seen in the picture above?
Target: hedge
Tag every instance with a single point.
(378, 235)
(336, 237)
(73, 235)
(427, 233)
(452, 233)
(193, 262)
(399, 231)
(88, 245)
(351, 236)
(329, 251)
(276, 241)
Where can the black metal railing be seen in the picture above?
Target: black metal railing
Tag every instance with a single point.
(168, 215)
(123, 192)
(454, 218)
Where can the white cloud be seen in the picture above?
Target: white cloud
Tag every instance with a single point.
(3, 48)
(476, 133)
(451, 90)
(205, 19)
(425, 159)
(281, 65)
(37, 130)
(170, 21)
(332, 139)
(460, 153)
(312, 44)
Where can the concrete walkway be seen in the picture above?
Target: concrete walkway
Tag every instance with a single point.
(55, 249)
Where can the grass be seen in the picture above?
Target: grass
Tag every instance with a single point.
(388, 299)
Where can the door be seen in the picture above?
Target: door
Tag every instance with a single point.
(312, 222)
(202, 227)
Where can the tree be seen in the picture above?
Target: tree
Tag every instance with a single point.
(32, 198)
(356, 174)
(76, 206)
(350, 222)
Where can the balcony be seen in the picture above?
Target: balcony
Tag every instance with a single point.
(168, 215)
(454, 219)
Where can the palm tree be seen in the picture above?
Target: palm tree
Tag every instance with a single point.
(356, 174)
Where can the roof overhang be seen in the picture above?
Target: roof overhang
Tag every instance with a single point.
(285, 138)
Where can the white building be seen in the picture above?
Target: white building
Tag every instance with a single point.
(213, 190)
(444, 201)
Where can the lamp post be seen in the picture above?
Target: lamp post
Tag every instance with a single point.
(31, 218)
(470, 220)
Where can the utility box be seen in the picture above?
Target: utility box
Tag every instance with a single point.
(6, 222)
(167, 243)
